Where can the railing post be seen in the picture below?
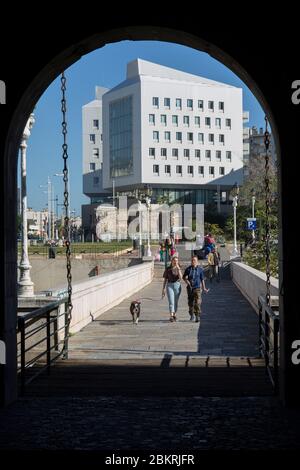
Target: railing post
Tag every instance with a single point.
(23, 369)
(267, 337)
(260, 348)
(66, 341)
(48, 342)
(275, 340)
(55, 326)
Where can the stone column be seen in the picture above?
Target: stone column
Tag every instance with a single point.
(25, 285)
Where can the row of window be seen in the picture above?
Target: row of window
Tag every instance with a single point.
(93, 138)
(191, 170)
(188, 153)
(186, 120)
(189, 137)
(189, 104)
(93, 166)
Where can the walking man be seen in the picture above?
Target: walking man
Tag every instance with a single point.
(194, 279)
(213, 261)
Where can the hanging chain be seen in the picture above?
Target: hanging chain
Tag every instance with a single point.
(267, 213)
(66, 204)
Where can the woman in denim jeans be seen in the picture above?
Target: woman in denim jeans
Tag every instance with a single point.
(172, 278)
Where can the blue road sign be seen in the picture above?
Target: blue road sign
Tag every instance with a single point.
(251, 224)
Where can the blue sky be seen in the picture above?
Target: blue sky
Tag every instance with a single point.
(105, 67)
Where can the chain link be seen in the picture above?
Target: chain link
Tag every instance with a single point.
(267, 212)
(66, 206)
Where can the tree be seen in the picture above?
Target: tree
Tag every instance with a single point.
(254, 184)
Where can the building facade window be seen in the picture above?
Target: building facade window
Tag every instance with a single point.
(201, 170)
(96, 123)
(228, 123)
(222, 170)
(211, 106)
(197, 121)
(120, 137)
(190, 170)
(198, 153)
(178, 103)
(186, 153)
(156, 136)
(168, 136)
(96, 153)
(152, 119)
(175, 120)
(179, 136)
(208, 155)
(207, 122)
(151, 152)
(228, 156)
(218, 155)
(163, 119)
(179, 169)
(93, 138)
(167, 103)
(211, 138)
(186, 121)
(221, 106)
(212, 171)
(168, 169)
(189, 104)
(190, 137)
(201, 105)
(155, 102)
(222, 139)
(175, 153)
(156, 169)
(201, 137)
(95, 180)
(163, 152)
(218, 123)
(92, 166)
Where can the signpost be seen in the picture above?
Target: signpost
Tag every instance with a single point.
(251, 223)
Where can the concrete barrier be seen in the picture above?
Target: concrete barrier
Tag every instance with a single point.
(93, 297)
(252, 282)
(51, 273)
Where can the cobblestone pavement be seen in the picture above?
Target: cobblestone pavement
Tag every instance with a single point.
(120, 424)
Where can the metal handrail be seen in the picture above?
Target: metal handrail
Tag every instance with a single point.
(269, 340)
(26, 320)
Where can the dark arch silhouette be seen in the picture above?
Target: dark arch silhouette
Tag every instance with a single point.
(39, 77)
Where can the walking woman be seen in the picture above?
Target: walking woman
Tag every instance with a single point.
(172, 283)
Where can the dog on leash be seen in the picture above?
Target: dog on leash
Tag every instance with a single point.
(135, 310)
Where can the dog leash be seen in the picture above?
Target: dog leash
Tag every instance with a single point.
(146, 298)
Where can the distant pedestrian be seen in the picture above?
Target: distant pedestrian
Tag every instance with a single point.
(194, 279)
(213, 260)
(172, 277)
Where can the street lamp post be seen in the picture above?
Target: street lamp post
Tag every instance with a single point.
(140, 227)
(69, 198)
(148, 205)
(25, 285)
(253, 213)
(234, 205)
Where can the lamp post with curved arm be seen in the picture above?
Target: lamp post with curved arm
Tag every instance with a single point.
(25, 285)
(234, 205)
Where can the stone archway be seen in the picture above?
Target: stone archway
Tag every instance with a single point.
(37, 87)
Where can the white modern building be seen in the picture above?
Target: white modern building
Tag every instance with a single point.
(178, 133)
(246, 144)
(92, 147)
(92, 159)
